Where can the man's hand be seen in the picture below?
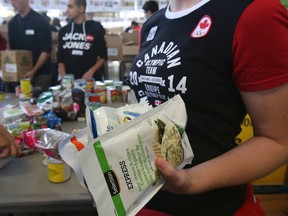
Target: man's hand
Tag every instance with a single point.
(8, 146)
(88, 74)
(29, 75)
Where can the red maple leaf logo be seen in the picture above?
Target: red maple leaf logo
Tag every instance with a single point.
(204, 24)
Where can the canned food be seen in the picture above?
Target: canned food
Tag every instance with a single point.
(90, 84)
(80, 83)
(58, 171)
(111, 95)
(94, 97)
(118, 86)
(17, 91)
(125, 94)
(102, 93)
(68, 81)
(108, 82)
(99, 84)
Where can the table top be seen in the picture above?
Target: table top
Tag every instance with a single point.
(24, 187)
(24, 184)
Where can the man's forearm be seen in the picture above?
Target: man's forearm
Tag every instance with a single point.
(61, 69)
(90, 73)
(100, 62)
(40, 62)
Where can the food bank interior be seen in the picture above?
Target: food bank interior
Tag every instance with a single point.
(27, 190)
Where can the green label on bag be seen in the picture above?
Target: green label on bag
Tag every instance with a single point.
(110, 177)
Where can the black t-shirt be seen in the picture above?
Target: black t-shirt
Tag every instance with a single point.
(31, 32)
(191, 54)
(80, 46)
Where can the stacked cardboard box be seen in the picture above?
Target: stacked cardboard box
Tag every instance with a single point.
(130, 43)
(114, 47)
(121, 46)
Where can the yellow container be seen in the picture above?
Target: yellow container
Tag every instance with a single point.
(25, 87)
(58, 171)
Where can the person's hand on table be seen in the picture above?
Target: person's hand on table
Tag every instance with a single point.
(8, 146)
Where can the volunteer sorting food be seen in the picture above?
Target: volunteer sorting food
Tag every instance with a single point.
(214, 61)
(225, 60)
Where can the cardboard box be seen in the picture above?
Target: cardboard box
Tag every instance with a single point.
(15, 63)
(132, 38)
(130, 50)
(114, 47)
(114, 30)
(130, 43)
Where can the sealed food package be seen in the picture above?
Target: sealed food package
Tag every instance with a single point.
(45, 140)
(105, 119)
(119, 166)
(68, 149)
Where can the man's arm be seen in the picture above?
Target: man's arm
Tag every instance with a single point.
(44, 41)
(61, 69)
(90, 73)
(41, 60)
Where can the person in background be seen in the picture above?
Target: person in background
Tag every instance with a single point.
(29, 30)
(8, 146)
(56, 25)
(3, 46)
(82, 50)
(90, 16)
(150, 7)
(133, 27)
(224, 63)
(3, 42)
